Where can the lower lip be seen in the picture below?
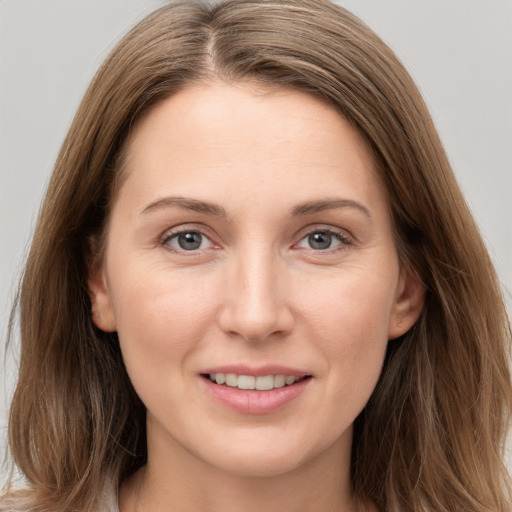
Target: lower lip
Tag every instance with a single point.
(254, 401)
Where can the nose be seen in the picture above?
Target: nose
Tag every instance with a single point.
(255, 304)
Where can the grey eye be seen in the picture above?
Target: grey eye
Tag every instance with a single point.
(320, 240)
(189, 241)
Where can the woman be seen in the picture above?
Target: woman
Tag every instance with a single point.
(255, 285)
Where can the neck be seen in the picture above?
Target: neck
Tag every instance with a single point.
(175, 479)
(226, 494)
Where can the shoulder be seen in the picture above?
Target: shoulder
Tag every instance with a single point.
(109, 500)
(15, 503)
(21, 501)
(8, 504)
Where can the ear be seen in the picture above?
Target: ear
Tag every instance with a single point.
(102, 310)
(408, 303)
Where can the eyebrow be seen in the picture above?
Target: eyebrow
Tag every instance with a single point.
(216, 210)
(328, 204)
(194, 205)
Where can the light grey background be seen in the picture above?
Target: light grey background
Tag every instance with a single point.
(459, 52)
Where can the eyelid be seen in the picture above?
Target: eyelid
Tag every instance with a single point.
(186, 228)
(345, 236)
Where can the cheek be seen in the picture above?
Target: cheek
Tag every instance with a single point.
(350, 324)
(161, 317)
(352, 307)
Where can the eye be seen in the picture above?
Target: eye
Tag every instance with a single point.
(188, 241)
(323, 240)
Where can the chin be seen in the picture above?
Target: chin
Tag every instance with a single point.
(262, 458)
(269, 465)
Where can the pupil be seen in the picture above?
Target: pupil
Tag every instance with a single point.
(320, 240)
(189, 241)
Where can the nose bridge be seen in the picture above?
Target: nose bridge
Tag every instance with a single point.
(255, 305)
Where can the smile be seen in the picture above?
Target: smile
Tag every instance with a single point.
(255, 394)
(259, 383)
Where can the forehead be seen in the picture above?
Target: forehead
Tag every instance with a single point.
(246, 136)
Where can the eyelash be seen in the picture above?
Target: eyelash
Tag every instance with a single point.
(169, 235)
(341, 236)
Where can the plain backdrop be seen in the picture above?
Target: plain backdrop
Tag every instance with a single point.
(458, 51)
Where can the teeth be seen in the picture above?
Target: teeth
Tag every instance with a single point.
(263, 383)
(279, 381)
(231, 379)
(246, 382)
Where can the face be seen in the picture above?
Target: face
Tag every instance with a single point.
(251, 242)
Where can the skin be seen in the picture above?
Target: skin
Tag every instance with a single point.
(255, 292)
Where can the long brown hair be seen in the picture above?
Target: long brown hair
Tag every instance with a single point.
(432, 435)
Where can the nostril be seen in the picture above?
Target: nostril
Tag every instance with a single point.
(254, 311)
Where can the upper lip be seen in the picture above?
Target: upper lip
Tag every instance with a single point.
(256, 371)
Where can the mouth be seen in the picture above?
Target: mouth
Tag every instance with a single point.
(253, 382)
(263, 390)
